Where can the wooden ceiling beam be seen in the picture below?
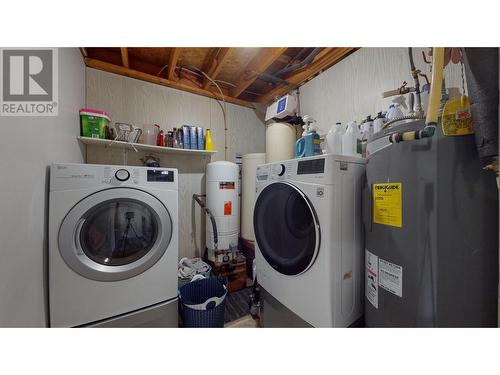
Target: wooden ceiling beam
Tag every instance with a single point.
(172, 63)
(121, 70)
(263, 60)
(84, 52)
(323, 60)
(214, 65)
(124, 52)
(284, 59)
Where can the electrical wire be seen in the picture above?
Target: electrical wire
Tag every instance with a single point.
(201, 75)
(161, 70)
(223, 108)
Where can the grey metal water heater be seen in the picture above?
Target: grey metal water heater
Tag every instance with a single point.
(431, 223)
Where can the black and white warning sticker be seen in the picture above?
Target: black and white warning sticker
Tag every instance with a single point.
(371, 278)
(390, 277)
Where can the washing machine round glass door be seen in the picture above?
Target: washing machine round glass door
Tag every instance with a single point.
(115, 234)
(286, 228)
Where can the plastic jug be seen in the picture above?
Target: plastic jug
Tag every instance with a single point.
(304, 146)
(349, 140)
(308, 145)
(334, 139)
(151, 134)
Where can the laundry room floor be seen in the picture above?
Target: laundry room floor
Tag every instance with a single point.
(245, 322)
(237, 305)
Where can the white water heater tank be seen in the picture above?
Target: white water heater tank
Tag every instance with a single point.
(222, 188)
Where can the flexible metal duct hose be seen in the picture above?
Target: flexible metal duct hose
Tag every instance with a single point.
(481, 72)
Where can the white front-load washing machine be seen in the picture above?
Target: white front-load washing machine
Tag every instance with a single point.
(309, 258)
(113, 246)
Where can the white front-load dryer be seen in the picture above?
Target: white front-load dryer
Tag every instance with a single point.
(309, 258)
(113, 246)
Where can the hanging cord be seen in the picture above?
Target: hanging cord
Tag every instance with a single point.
(181, 68)
(223, 108)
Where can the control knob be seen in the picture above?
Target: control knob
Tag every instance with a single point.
(281, 170)
(122, 175)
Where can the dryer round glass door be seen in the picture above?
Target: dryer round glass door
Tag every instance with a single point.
(115, 234)
(286, 228)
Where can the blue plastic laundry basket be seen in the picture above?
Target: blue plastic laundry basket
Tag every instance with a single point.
(203, 303)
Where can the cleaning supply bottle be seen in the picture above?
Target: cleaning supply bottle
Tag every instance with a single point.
(315, 139)
(349, 140)
(160, 139)
(378, 123)
(175, 138)
(309, 143)
(334, 139)
(180, 135)
(368, 129)
(209, 145)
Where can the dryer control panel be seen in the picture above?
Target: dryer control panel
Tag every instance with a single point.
(311, 166)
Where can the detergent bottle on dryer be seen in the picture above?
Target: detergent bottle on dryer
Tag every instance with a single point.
(309, 144)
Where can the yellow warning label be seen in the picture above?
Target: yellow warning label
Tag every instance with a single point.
(387, 204)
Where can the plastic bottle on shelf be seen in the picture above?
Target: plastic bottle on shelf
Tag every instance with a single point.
(209, 145)
(180, 136)
(160, 139)
(349, 140)
(151, 134)
(170, 139)
(175, 137)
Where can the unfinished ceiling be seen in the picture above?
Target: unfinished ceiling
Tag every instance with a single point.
(244, 75)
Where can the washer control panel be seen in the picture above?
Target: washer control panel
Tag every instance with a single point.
(70, 176)
(155, 175)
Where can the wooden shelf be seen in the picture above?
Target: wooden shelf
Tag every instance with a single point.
(142, 147)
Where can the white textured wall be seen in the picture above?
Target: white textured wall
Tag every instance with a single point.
(141, 103)
(28, 145)
(352, 89)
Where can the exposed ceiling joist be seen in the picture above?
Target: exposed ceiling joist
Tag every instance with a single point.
(121, 70)
(239, 69)
(172, 63)
(83, 51)
(284, 59)
(322, 61)
(214, 65)
(263, 60)
(124, 52)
